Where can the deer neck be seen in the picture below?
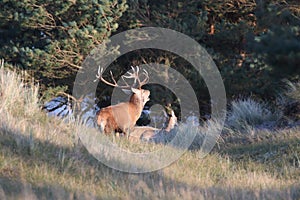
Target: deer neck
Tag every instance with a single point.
(136, 103)
(136, 107)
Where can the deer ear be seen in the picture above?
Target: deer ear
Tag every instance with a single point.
(134, 90)
(126, 91)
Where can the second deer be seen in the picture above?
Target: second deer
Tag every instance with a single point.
(148, 133)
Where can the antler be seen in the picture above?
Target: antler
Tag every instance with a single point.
(114, 84)
(134, 74)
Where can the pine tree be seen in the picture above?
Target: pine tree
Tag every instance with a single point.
(50, 39)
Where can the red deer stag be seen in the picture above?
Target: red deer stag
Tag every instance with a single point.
(123, 116)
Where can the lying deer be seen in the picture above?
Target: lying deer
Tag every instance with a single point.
(123, 116)
(147, 133)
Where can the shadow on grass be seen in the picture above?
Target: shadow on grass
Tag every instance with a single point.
(15, 189)
(77, 162)
(263, 150)
(276, 156)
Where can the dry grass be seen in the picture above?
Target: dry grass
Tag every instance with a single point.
(42, 158)
(248, 113)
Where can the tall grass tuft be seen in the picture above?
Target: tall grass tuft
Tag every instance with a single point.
(20, 111)
(17, 97)
(247, 113)
(289, 102)
(293, 91)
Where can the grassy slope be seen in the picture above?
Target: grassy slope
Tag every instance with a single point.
(42, 158)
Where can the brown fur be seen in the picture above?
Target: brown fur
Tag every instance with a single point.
(123, 116)
(148, 132)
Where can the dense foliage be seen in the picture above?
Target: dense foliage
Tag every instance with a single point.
(52, 38)
(255, 44)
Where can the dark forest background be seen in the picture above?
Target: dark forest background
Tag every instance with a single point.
(254, 43)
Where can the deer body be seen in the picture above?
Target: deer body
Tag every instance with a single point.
(123, 116)
(146, 133)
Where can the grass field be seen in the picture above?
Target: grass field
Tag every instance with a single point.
(43, 158)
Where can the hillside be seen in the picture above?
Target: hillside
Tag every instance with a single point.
(43, 158)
